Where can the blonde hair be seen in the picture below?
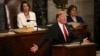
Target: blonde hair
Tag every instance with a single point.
(60, 13)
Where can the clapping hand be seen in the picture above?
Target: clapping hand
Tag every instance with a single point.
(85, 40)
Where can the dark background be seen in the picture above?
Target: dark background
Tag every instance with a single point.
(97, 23)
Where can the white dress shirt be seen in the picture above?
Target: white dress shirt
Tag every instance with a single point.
(22, 21)
(61, 27)
(74, 19)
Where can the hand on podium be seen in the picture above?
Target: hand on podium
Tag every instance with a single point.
(34, 48)
(85, 40)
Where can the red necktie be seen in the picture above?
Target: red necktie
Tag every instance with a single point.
(65, 33)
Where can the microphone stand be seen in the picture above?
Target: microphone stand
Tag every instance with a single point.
(80, 42)
(37, 28)
(32, 20)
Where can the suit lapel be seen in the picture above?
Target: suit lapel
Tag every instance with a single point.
(68, 29)
(61, 36)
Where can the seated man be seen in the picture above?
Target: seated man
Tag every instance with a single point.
(58, 33)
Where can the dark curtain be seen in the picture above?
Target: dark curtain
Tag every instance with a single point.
(97, 23)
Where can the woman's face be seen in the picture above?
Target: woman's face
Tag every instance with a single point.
(25, 7)
(73, 12)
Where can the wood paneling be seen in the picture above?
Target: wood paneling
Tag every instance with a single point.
(20, 44)
(78, 50)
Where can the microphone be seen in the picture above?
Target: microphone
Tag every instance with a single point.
(32, 20)
(81, 41)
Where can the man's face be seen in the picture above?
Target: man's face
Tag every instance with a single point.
(62, 18)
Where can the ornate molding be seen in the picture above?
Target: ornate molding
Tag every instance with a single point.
(60, 3)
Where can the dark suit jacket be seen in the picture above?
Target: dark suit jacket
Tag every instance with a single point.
(2, 18)
(55, 35)
(79, 19)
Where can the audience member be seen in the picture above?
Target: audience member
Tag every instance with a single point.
(72, 15)
(26, 18)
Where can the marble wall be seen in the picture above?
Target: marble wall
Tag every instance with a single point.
(1, 1)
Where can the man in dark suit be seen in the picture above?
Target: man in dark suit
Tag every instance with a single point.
(7, 15)
(58, 33)
(2, 16)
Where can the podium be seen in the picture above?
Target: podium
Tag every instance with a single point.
(79, 29)
(74, 50)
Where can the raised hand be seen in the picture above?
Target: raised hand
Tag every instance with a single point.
(34, 48)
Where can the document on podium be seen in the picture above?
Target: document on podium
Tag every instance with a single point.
(76, 25)
(75, 44)
(27, 30)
